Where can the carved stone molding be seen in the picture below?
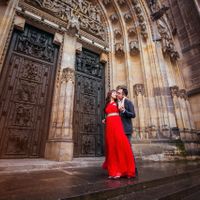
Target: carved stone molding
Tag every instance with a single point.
(19, 22)
(183, 94)
(139, 89)
(174, 91)
(106, 2)
(58, 39)
(77, 14)
(114, 18)
(141, 20)
(132, 31)
(118, 33)
(121, 2)
(134, 47)
(168, 46)
(127, 17)
(138, 10)
(119, 48)
(68, 75)
(156, 10)
(143, 31)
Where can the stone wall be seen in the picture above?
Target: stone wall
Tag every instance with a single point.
(184, 18)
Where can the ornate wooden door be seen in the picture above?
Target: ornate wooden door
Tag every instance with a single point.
(88, 105)
(26, 86)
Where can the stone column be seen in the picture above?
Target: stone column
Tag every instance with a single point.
(177, 108)
(184, 111)
(60, 144)
(7, 12)
(139, 91)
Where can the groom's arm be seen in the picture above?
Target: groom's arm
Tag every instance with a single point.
(129, 111)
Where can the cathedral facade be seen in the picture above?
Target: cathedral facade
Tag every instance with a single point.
(58, 59)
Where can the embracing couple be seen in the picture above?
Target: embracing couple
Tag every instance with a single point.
(119, 158)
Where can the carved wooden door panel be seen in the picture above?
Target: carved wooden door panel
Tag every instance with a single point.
(26, 87)
(88, 105)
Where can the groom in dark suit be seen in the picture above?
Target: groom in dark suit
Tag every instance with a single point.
(127, 111)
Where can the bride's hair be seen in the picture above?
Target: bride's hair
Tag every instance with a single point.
(108, 97)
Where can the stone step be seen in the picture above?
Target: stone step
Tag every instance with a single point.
(169, 187)
(179, 189)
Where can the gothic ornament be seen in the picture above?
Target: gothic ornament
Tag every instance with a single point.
(183, 94)
(119, 48)
(114, 18)
(67, 75)
(127, 17)
(168, 46)
(118, 33)
(140, 16)
(174, 91)
(73, 25)
(139, 89)
(121, 2)
(132, 31)
(134, 47)
(106, 2)
(77, 14)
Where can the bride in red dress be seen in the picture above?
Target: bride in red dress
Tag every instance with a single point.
(119, 158)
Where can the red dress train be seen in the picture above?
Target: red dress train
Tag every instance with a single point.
(119, 158)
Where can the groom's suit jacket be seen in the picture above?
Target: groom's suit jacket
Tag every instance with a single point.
(127, 116)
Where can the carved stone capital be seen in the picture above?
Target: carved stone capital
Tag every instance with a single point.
(139, 89)
(183, 94)
(134, 47)
(174, 91)
(119, 48)
(68, 75)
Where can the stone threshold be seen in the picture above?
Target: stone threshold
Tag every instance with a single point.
(28, 165)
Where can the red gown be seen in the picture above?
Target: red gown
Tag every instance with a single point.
(119, 158)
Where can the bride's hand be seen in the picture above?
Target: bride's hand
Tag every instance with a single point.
(103, 121)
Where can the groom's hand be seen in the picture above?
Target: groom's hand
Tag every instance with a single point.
(122, 109)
